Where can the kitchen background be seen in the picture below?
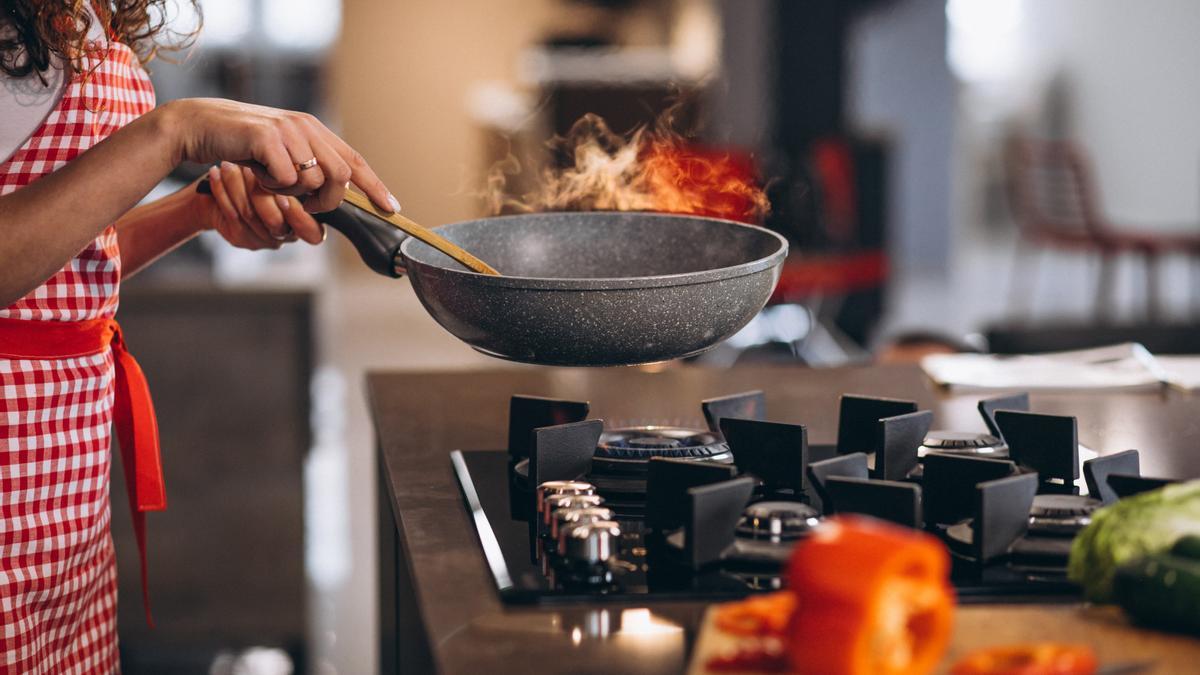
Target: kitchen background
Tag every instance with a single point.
(945, 169)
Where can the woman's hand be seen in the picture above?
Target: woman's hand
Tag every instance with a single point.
(51, 220)
(250, 217)
(274, 144)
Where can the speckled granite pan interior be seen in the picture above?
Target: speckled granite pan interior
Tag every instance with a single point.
(598, 289)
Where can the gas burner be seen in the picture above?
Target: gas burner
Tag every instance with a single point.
(1063, 515)
(963, 443)
(1032, 552)
(656, 507)
(622, 456)
(765, 535)
(642, 443)
(1054, 519)
(777, 521)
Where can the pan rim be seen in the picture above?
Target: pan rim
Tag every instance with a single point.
(555, 363)
(608, 283)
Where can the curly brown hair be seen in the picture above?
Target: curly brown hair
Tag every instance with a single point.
(34, 32)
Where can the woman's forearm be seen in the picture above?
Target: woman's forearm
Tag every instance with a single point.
(152, 230)
(46, 223)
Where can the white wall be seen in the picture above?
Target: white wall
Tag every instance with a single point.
(1134, 73)
(740, 110)
(900, 87)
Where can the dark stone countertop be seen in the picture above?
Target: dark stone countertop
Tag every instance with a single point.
(449, 616)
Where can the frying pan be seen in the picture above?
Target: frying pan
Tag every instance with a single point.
(581, 288)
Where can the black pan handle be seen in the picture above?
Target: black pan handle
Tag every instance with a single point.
(376, 240)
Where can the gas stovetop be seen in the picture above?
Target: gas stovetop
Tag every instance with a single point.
(710, 509)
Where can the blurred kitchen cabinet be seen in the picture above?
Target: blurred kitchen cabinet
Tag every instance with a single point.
(229, 372)
(623, 106)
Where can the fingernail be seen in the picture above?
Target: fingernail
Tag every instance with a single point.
(394, 203)
(214, 173)
(226, 165)
(283, 202)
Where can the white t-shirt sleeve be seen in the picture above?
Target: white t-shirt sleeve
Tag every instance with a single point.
(24, 105)
(25, 102)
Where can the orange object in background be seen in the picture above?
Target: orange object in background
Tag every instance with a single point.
(872, 599)
(1037, 658)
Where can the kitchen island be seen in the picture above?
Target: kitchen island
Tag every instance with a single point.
(439, 608)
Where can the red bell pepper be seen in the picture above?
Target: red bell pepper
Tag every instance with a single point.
(871, 599)
(1036, 658)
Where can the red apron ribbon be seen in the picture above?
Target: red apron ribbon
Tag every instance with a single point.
(133, 411)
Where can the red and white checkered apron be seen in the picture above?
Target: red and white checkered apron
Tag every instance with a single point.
(58, 583)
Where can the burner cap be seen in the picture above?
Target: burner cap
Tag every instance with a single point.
(1061, 515)
(653, 443)
(642, 443)
(1063, 506)
(964, 442)
(777, 521)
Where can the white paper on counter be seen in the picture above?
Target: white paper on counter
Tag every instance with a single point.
(1124, 366)
(1181, 371)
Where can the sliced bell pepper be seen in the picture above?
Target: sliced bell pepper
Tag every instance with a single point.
(872, 599)
(1035, 658)
(757, 616)
(761, 656)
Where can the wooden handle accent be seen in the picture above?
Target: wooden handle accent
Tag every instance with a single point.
(423, 233)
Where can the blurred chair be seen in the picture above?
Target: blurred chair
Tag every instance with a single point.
(1054, 200)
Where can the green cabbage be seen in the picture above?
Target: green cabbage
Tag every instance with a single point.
(1144, 524)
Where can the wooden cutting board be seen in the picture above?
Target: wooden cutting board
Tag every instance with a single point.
(1104, 628)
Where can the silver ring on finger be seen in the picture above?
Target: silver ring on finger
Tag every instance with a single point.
(304, 166)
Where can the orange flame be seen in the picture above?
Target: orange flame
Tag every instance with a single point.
(646, 170)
